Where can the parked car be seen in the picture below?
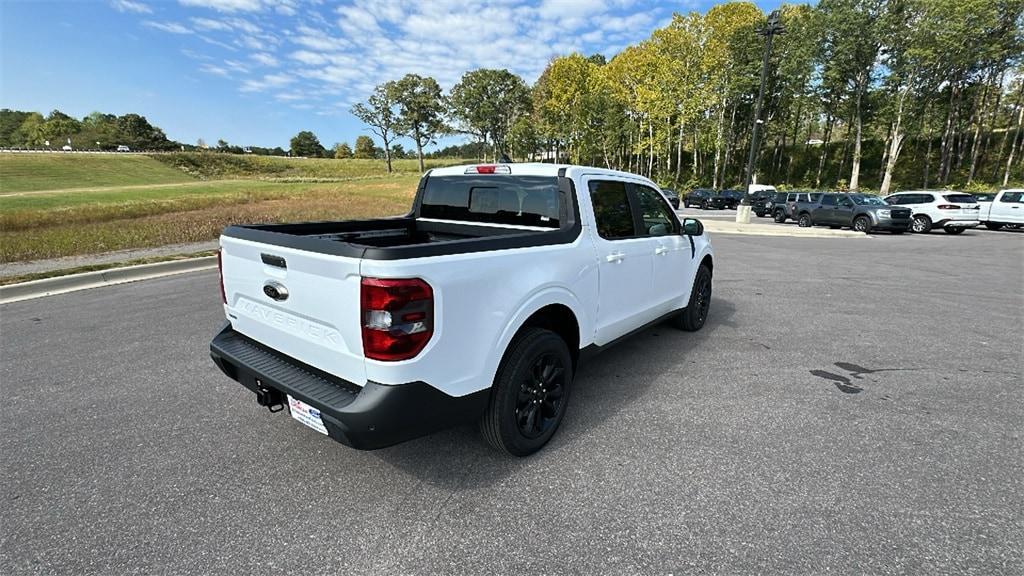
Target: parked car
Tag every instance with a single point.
(763, 201)
(672, 196)
(66, 148)
(698, 198)
(954, 212)
(860, 212)
(784, 204)
(123, 148)
(725, 199)
(476, 306)
(1006, 209)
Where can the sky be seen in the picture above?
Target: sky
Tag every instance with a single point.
(256, 72)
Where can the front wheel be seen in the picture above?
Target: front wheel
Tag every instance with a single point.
(530, 393)
(862, 224)
(692, 317)
(954, 230)
(779, 216)
(804, 221)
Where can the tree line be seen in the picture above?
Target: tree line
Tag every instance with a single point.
(95, 131)
(859, 94)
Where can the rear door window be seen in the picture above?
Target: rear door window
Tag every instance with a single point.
(828, 200)
(611, 209)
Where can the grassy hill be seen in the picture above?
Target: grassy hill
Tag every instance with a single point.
(66, 204)
(211, 165)
(30, 172)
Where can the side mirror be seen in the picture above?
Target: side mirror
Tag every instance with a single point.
(692, 227)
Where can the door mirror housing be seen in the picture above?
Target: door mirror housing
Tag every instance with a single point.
(692, 227)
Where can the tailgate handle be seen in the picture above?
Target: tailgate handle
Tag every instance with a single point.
(271, 260)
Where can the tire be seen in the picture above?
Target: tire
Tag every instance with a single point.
(921, 224)
(993, 226)
(954, 230)
(760, 214)
(693, 317)
(704, 205)
(862, 224)
(804, 221)
(779, 216)
(524, 411)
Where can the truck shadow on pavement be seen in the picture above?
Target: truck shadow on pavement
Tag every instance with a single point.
(459, 459)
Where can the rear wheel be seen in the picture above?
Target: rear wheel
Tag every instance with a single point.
(921, 224)
(993, 225)
(954, 230)
(862, 224)
(692, 317)
(804, 221)
(704, 205)
(530, 393)
(779, 216)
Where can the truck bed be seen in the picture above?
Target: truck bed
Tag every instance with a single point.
(397, 238)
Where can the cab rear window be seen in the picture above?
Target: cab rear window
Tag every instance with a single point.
(493, 199)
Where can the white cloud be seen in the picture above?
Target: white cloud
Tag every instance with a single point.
(266, 82)
(226, 5)
(209, 24)
(172, 27)
(264, 59)
(131, 6)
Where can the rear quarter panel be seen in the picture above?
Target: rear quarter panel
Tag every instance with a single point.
(480, 301)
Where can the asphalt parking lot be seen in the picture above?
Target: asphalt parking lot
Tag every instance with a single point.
(852, 406)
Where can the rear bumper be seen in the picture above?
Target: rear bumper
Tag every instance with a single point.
(368, 417)
(953, 223)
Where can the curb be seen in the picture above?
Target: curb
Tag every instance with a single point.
(757, 230)
(109, 277)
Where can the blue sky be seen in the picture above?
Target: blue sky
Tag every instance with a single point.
(255, 72)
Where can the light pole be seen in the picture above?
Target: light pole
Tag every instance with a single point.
(773, 27)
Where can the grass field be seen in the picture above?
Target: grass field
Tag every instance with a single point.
(28, 172)
(119, 209)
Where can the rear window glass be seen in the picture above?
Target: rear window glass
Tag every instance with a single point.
(493, 199)
(611, 209)
(960, 198)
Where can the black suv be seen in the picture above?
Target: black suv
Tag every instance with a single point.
(728, 199)
(699, 198)
(763, 201)
(672, 196)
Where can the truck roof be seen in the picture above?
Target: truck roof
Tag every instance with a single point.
(543, 169)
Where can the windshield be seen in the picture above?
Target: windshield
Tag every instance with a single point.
(865, 200)
(494, 199)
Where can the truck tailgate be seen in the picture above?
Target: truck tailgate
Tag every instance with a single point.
(302, 304)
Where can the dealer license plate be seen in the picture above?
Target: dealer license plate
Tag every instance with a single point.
(306, 414)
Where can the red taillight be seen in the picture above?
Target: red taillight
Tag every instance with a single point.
(485, 169)
(220, 273)
(397, 317)
(948, 207)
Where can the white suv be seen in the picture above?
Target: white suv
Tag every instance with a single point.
(954, 212)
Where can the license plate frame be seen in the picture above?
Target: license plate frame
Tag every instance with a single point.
(306, 414)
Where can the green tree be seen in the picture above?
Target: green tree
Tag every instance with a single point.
(10, 123)
(343, 150)
(421, 111)
(379, 113)
(365, 148)
(487, 102)
(306, 144)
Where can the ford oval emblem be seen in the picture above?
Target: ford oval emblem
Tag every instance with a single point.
(275, 290)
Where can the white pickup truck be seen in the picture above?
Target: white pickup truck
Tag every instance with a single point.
(475, 306)
(1006, 209)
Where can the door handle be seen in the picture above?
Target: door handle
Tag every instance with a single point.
(660, 251)
(615, 257)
